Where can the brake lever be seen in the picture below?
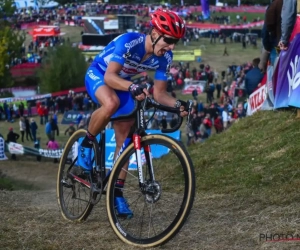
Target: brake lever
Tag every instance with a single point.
(146, 99)
(190, 108)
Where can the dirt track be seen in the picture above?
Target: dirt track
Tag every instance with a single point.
(31, 220)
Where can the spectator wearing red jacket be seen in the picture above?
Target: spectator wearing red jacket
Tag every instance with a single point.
(208, 124)
(218, 124)
(41, 114)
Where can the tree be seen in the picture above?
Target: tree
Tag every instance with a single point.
(11, 41)
(7, 8)
(63, 68)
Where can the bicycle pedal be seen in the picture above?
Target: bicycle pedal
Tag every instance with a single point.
(94, 201)
(95, 192)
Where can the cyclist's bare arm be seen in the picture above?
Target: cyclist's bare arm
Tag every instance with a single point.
(161, 95)
(112, 78)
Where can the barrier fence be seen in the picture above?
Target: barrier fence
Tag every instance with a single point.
(110, 145)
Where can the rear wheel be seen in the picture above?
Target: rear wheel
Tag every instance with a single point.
(74, 195)
(161, 205)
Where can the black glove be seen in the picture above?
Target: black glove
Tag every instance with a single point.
(185, 104)
(137, 89)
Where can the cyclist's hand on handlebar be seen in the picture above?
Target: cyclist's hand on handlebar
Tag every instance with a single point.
(138, 91)
(184, 107)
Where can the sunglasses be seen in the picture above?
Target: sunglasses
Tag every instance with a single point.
(170, 40)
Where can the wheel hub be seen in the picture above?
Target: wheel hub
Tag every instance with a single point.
(153, 191)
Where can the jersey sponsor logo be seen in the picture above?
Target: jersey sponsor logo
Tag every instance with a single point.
(136, 56)
(117, 57)
(126, 55)
(140, 66)
(92, 75)
(168, 57)
(153, 62)
(129, 70)
(134, 42)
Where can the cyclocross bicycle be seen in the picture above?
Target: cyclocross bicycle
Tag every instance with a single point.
(159, 189)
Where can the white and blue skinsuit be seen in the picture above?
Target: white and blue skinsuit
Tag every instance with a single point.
(128, 50)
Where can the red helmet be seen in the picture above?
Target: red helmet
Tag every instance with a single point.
(168, 22)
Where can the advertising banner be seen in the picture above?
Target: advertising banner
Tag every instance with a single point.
(288, 79)
(190, 86)
(257, 98)
(2, 149)
(71, 116)
(110, 145)
(205, 9)
(18, 149)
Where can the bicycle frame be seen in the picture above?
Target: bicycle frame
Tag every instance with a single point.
(134, 137)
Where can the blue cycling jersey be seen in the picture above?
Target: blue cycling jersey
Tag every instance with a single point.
(128, 50)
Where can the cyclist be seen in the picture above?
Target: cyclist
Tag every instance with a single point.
(108, 83)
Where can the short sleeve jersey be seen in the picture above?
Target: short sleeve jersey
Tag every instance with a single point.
(128, 50)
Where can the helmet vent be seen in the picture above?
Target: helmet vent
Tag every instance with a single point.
(162, 18)
(166, 27)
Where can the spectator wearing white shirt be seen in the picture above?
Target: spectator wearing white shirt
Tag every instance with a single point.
(22, 127)
(225, 117)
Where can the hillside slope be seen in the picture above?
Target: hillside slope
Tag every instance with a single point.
(247, 196)
(258, 156)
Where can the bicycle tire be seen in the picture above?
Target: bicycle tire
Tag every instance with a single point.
(59, 190)
(187, 201)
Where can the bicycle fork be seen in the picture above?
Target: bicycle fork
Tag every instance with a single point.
(149, 187)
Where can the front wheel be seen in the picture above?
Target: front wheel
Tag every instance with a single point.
(163, 202)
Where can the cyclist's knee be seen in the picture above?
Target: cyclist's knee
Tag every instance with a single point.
(111, 105)
(109, 100)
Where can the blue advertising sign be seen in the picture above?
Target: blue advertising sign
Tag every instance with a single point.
(71, 116)
(288, 79)
(110, 145)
